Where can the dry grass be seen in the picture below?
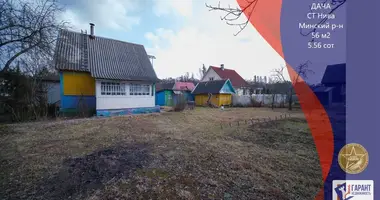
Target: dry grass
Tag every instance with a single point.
(173, 155)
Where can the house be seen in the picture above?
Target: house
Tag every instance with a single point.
(107, 76)
(219, 92)
(335, 77)
(324, 94)
(221, 73)
(168, 93)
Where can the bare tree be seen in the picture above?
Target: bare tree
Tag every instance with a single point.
(28, 33)
(302, 71)
(28, 25)
(233, 15)
(202, 72)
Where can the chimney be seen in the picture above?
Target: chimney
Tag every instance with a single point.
(222, 66)
(92, 35)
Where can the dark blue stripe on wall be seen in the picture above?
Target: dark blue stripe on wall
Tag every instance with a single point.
(68, 102)
(61, 86)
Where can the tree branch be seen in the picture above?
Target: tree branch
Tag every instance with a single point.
(26, 26)
(233, 14)
(9, 62)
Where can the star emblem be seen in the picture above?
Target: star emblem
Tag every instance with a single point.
(352, 158)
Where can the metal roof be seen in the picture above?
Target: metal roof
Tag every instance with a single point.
(335, 74)
(212, 87)
(67, 52)
(104, 58)
(164, 86)
(236, 80)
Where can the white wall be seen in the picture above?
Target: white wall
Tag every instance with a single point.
(53, 92)
(268, 98)
(265, 99)
(121, 102)
(239, 91)
(209, 74)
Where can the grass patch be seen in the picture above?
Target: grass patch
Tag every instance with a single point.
(173, 155)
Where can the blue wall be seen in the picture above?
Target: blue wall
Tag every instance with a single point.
(189, 96)
(72, 102)
(127, 111)
(160, 98)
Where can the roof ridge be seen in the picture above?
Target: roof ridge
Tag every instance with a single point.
(224, 68)
(72, 31)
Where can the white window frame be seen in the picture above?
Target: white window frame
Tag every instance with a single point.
(211, 78)
(112, 89)
(139, 90)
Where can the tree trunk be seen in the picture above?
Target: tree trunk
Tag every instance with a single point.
(290, 101)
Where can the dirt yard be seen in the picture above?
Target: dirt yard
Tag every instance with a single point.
(193, 154)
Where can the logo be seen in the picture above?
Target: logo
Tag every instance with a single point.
(353, 158)
(353, 189)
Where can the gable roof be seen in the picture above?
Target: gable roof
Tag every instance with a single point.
(335, 74)
(178, 86)
(189, 86)
(104, 58)
(164, 86)
(236, 80)
(213, 87)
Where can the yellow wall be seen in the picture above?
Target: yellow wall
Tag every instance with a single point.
(78, 83)
(216, 99)
(225, 99)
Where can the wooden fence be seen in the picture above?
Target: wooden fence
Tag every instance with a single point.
(255, 121)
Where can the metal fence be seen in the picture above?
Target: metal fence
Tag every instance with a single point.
(262, 99)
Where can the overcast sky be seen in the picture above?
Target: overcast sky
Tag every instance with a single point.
(182, 34)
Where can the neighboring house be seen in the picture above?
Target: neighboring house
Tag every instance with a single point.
(220, 91)
(110, 76)
(324, 94)
(52, 87)
(220, 73)
(167, 93)
(335, 77)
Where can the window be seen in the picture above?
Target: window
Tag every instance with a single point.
(211, 78)
(110, 88)
(140, 90)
